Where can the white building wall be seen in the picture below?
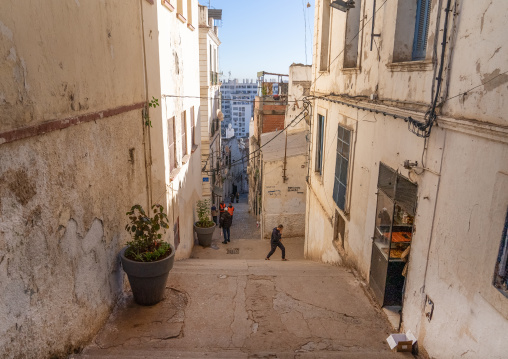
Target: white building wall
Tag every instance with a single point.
(173, 70)
(461, 194)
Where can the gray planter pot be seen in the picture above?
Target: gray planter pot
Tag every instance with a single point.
(147, 279)
(204, 235)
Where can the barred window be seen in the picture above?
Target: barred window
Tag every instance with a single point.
(341, 166)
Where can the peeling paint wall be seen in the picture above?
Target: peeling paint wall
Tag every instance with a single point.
(64, 194)
(462, 172)
(284, 202)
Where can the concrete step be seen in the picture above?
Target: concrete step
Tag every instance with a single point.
(154, 353)
(273, 266)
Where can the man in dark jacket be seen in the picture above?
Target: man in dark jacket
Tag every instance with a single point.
(225, 223)
(276, 242)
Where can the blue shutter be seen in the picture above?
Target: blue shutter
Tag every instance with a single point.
(421, 29)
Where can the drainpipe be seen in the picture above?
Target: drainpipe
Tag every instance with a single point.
(284, 178)
(146, 132)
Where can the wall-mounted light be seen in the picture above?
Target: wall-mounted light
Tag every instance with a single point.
(343, 5)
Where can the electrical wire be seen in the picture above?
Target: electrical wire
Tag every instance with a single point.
(306, 105)
(473, 88)
(224, 99)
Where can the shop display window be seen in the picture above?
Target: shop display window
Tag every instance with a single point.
(393, 232)
(501, 269)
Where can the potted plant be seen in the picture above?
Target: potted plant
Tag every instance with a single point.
(204, 227)
(147, 259)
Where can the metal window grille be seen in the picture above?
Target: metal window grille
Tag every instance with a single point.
(341, 167)
(319, 144)
(421, 29)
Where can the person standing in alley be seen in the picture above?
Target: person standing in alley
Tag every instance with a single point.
(222, 208)
(215, 213)
(237, 196)
(231, 210)
(225, 223)
(276, 242)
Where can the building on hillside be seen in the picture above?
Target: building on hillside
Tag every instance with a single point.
(79, 146)
(269, 113)
(410, 154)
(210, 114)
(237, 102)
(283, 159)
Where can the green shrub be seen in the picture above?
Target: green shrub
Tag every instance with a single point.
(203, 209)
(147, 244)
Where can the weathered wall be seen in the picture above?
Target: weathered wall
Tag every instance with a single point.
(284, 202)
(64, 193)
(299, 86)
(468, 224)
(462, 191)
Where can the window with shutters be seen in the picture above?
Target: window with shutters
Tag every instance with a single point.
(411, 30)
(325, 36)
(341, 167)
(193, 127)
(353, 18)
(421, 29)
(319, 144)
(171, 144)
(184, 133)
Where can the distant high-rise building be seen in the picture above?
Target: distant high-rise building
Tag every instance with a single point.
(237, 104)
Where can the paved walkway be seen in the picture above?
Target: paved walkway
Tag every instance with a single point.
(241, 306)
(246, 242)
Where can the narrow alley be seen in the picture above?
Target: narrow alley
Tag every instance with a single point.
(222, 305)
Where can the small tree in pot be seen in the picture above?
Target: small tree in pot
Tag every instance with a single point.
(147, 259)
(204, 227)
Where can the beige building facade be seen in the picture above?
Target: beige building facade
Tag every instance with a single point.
(387, 180)
(210, 105)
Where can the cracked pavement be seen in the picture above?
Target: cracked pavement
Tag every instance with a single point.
(234, 307)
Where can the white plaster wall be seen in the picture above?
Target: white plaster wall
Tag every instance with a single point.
(64, 194)
(173, 69)
(299, 79)
(282, 206)
(469, 219)
(461, 197)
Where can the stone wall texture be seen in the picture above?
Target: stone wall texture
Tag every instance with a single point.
(64, 193)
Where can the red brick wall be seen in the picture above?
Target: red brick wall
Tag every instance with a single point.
(272, 122)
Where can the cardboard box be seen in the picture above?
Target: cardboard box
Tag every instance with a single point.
(401, 342)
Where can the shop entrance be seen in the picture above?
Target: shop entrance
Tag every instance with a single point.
(393, 231)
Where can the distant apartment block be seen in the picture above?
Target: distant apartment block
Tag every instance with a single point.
(237, 104)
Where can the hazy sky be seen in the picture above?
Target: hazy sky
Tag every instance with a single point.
(263, 35)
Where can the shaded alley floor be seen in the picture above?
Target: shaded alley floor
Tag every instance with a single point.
(221, 305)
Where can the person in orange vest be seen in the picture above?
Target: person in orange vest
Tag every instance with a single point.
(222, 208)
(231, 209)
